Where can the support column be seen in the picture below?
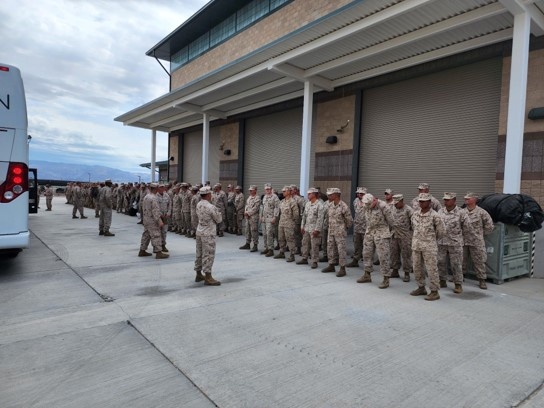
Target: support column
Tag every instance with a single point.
(516, 104)
(153, 153)
(305, 151)
(205, 145)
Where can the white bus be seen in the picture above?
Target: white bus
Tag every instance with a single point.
(14, 234)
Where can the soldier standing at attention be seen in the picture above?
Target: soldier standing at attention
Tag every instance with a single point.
(185, 196)
(377, 238)
(359, 227)
(221, 202)
(269, 217)
(340, 220)
(424, 188)
(231, 223)
(105, 205)
(401, 240)
(153, 224)
(388, 196)
(208, 218)
(77, 199)
(165, 204)
(239, 204)
(295, 193)
(482, 224)
(311, 228)
(325, 235)
(195, 199)
(48, 193)
(251, 214)
(289, 219)
(428, 228)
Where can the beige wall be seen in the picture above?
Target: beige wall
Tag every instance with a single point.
(173, 151)
(284, 21)
(330, 116)
(229, 139)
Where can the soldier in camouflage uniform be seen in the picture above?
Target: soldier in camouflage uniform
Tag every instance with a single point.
(251, 214)
(239, 205)
(269, 217)
(195, 199)
(424, 188)
(208, 218)
(401, 240)
(388, 196)
(359, 227)
(311, 228)
(230, 210)
(176, 209)
(340, 220)
(377, 238)
(77, 199)
(451, 244)
(301, 202)
(48, 193)
(428, 228)
(185, 197)
(153, 224)
(165, 204)
(105, 204)
(482, 224)
(325, 235)
(289, 219)
(219, 199)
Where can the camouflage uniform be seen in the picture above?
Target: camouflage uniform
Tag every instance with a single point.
(269, 217)
(165, 205)
(289, 219)
(77, 199)
(105, 203)
(152, 218)
(239, 204)
(312, 224)
(435, 204)
(474, 243)
(219, 199)
(359, 228)
(208, 218)
(340, 220)
(231, 224)
(401, 240)
(195, 199)
(377, 237)
(176, 210)
(301, 202)
(251, 214)
(428, 228)
(48, 193)
(186, 197)
(451, 244)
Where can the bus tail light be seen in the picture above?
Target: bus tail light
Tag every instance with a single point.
(16, 182)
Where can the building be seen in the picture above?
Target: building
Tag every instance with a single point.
(380, 93)
(161, 168)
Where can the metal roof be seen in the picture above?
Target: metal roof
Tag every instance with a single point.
(359, 41)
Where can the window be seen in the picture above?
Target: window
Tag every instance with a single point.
(223, 31)
(199, 45)
(178, 59)
(251, 12)
(276, 3)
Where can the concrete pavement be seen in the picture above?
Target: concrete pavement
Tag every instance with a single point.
(85, 322)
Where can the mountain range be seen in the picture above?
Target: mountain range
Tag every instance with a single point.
(83, 172)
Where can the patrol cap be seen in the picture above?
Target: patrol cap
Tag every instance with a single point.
(153, 185)
(423, 186)
(205, 190)
(216, 185)
(194, 188)
(449, 196)
(329, 191)
(267, 186)
(388, 191)
(294, 186)
(238, 188)
(361, 190)
(397, 198)
(334, 190)
(471, 195)
(107, 181)
(285, 188)
(367, 199)
(229, 186)
(252, 187)
(313, 190)
(184, 184)
(424, 197)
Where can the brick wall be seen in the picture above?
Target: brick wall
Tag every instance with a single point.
(284, 21)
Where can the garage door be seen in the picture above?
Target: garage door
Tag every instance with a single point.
(272, 149)
(192, 157)
(440, 129)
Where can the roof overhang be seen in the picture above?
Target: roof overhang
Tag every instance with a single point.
(359, 41)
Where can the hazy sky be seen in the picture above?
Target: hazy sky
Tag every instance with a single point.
(83, 63)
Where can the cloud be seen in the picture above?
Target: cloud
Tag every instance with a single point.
(83, 63)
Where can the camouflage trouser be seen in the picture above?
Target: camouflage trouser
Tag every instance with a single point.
(164, 230)
(186, 223)
(230, 217)
(119, 204)
(194, 221)
(455, 254)
(96, 207)
(48, 201)
(401, 247)
(252, 229)
(310, 246)
(336, 248)
(205, 253)
(426, 259)
(358, 239)
(221, 225)
(178, 218)
(325, 242)
(268, 234)
(77, 207)
(104, 222)
(383, 247)
(298, 235)
(287, 238)
(478, 256)
(152, 233)
(239, 220)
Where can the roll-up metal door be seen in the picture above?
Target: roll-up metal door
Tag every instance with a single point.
(272, 149)
(192, 157)
(440, 129)
(214, 155)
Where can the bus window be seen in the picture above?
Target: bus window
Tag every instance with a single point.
(33, 192)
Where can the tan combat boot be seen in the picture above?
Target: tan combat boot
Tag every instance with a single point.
(254, 248)
(329, 268)
(270, 253)
(365, 278)
(199, 276)
(395, 273)
(353, 264)
(264, 251)
(385, 283)
(161, 255)
(303, 261)
(406, 277)
(433, 295)
(144, 253)
(443, 283)
(164, 249)
(420, 291)
(246, 246)
(291, 258)
(482, 284)
(314, 265)
(280, 255)
(341, 272)
(458, 288)
(210, 281)
(108, 234)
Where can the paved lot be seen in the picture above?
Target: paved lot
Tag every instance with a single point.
(85, 323)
